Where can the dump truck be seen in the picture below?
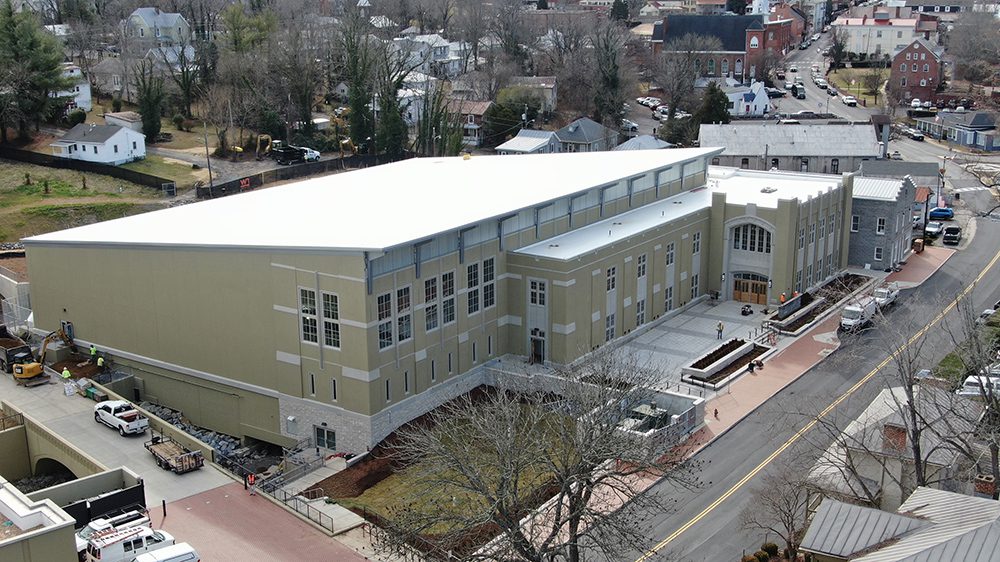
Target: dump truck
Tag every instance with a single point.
(13, 350)
(171, 455)
(121, 415)
(886, 295)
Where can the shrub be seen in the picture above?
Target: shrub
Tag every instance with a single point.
(189, 124)
(76, 117)
(116, 104)
(178, 122)
(749, 558)
(770, 548)
(762, 556)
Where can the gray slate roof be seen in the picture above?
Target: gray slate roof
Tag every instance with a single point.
(899, 168)
(157, 18)
(792, 140)
(841, 529)
(731, 30)
(643, 142)
(90, 133)
(585, 130)
(978, 120)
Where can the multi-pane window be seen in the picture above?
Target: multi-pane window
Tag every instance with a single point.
(448, 298)
(802, 238)
(430, 304)
(670, 254)
(855, 223)
(609, 327)
(430, 289)
(880, 225)
(431, 317)
(404, 325)
(489, 286)
(668, 298)
(694, 286)
(812, 233)
(822, 226)
(798, 280)
(331, 320)
(878, 253)
(473, 284)
(307, 306)
(696, 243)
(640, 312)
(384, 308)
(809, 275)
(640, 266)
(388, 391)
(752, 238)
(830, 225)
(611, 282)
(536, 293)
(835, 166)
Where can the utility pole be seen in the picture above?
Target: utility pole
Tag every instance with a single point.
(208, 158)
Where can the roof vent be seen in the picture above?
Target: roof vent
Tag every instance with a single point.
(768, 189)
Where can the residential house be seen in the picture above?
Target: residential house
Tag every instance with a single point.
(586, 135)
(975, 129)
(596, 5)
(411, 105)
(926, 176)
(881, 35)
(932, 525)
(827, 149)
(105, 144)
(710, 7)
(470, 115)
(945, 10)
(111, 77)
(744, 39)
(156, 27)
(655, 10)
(918, 70)
(643, 142)
(78, 94)
(749, 100)
(433, 54)
(127, 119)
(545, 88)
(530, 141)
(881, 221)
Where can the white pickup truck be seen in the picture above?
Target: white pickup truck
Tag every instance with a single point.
(858, 314)
(886, 295)
(120, 415)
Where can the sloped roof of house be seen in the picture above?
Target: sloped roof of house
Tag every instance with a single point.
(533, 81)
(841, 529)
(936, 50)
(527, 140)
(130, 116)
(792, 140)
(922, 173)
(85, 132)
(643, 142)
(730, 30)
(877, 189)
(979, 120)
(154, 17)
(585, 130)
(468, 107)
(171, 55)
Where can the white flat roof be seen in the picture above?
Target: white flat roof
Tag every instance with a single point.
(741, 187)
(378, 207)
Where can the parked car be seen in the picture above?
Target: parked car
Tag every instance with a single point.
(916, 135)
(121, 415)
(941, 213)
(822, 84)
(652, 102)
(788, 85)
(832, 92)
(927, 105)
(629, 126)
(775, 93)
(802, 94)
(915, 103)
(850, 100)
(805, 113)
(952, 235)
(896, 155)
(803, 46)
(933, 229)
(793, 68)
(780, 74)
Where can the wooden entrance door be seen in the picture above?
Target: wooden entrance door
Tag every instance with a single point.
(750, 290)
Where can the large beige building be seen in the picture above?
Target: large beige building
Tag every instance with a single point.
(340, 307)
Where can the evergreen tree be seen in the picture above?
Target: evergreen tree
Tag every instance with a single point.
(714, 106)
(619, 11)
(149, 88)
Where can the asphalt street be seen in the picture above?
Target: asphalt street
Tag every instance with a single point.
(718, 535)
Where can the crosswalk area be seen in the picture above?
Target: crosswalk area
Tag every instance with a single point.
(968, 189)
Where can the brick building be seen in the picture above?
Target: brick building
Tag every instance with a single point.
(918, 70)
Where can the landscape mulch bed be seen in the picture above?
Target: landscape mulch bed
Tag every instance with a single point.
(719, 352)
(833, 292)
(740, 364)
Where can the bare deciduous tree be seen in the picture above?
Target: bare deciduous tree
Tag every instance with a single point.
(486, 463)
(676, 69)
(778, 505)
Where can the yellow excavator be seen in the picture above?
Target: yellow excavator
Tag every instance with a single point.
(263, 146)
(347, 146)
(33, 374)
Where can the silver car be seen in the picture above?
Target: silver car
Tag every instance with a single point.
(934, 228)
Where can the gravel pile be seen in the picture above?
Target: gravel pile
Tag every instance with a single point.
(42, 481)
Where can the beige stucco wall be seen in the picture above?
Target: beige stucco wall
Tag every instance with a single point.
(14, 460)
(46, 545)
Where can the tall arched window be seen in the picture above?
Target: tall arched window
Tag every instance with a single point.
(752, 238)
(711, 67)
(725, 67)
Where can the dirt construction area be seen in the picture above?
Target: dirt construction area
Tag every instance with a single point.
(79, 367)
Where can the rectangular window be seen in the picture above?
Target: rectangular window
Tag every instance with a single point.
(406, 382)
(450, 370)
(433, 371)
(802, 238)
(310, 324)
(331, 333)
(448, 311)
(880, 225)
(312, 384)
(668, 299)
(822, 226)
(404, 328)
(489, 346)
(384, 334)
(403, 300)
(473, 293)
(640, 312)
(388, 391)
(878, 253)
(431, 317)
(809, 275)
(855, 223)
(333, 390)
(830, 225)
(430, 290)
(609, 327)
(611, 279)
(448, 284)
(309, 330)
(670, 254)
(798, 280)
(835, 166)
(694, 286)
(331, 317)
(133, 145)
(640, 266)
(536, 294)
(696, 243)
(475, 356)
(116, 148)
(404, 325)
(384, 306)
(307, 301)
(812, 233)
(489, 286)
(448, 296)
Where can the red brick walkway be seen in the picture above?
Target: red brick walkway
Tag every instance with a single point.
(919, 267)
(226, 523)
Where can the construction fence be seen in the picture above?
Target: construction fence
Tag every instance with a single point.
(283, 173)
(51, 161)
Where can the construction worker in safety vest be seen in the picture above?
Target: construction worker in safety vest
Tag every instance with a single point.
(66, 374)
(93, 353)
(782, 298)
(252, 482)
(100, 363)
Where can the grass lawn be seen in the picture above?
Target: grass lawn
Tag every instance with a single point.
(169, 168)
(841, 79)
(952, 367)
(182, 139)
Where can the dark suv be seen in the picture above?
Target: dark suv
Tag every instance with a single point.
(952, 235)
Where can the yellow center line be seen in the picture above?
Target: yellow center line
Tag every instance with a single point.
(826, 411)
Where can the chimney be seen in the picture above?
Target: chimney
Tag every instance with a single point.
(893, 438)
(985, 486)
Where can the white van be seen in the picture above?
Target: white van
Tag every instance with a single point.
(180, 552)
(974, 386)
(123, 545)
(102, 524)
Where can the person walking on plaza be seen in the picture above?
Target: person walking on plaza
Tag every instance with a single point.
(93, 353)
(718, 331)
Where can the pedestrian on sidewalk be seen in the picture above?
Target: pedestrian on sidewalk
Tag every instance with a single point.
(718, 331)
(751, 367)
(716, 413)
(252, 482)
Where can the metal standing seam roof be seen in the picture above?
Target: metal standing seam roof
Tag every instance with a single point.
(845, 140)
(527, 140)
(376, 208)
(585, 130)
(877, 189)
(155, 17)
(643, 142)
(841, 529)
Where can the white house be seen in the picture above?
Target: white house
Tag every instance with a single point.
(748, 100)
(105, 144)
(411, 105)
(127, 119)
(79, 91)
